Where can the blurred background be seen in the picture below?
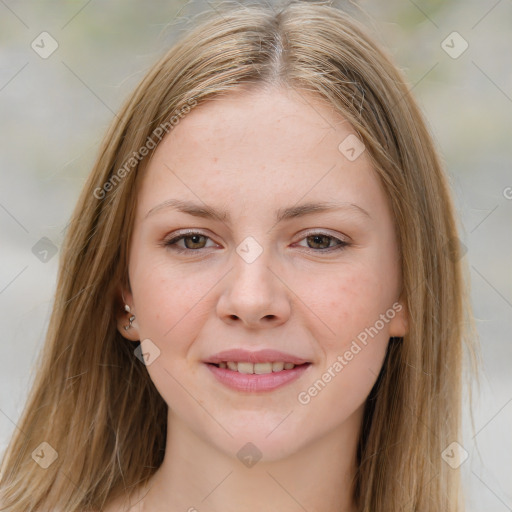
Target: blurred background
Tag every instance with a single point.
(66, 67)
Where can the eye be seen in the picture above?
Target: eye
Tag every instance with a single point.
(193, 241)
(320, 242)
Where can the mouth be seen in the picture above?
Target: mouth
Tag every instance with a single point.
(266, 372)
(254, 371)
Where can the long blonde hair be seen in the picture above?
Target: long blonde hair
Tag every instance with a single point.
(93, 401)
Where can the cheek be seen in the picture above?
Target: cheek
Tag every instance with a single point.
(336, 395)
(353, 300)
(356, 297)
(170, 312)
(169, 302)
(354, 354)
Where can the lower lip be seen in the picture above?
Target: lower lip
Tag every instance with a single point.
(254, 382)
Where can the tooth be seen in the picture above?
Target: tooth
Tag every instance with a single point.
(256, 368)
(277, 367)
(260, 368)
(245, 368)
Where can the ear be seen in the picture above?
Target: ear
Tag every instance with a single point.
(123, 316)
(399, 324)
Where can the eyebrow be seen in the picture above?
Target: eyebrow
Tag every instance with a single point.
(208, 212)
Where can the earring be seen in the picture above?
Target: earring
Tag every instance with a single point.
(131, 319)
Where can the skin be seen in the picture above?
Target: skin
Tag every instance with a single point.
(251, 153)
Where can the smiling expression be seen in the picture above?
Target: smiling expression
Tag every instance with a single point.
(253, 232)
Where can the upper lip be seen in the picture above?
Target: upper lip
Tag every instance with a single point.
(259, 356)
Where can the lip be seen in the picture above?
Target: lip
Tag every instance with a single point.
(252, 383)
(260, 356)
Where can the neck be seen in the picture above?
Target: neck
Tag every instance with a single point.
(197, 476)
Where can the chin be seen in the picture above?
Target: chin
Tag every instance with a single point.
(269, 440)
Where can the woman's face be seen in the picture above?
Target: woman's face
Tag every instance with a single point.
(263, 273)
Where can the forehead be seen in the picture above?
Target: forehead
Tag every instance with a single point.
(272, 122)
(252, 147)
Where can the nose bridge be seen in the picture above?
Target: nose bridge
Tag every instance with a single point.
(253, 294)
(252, 262)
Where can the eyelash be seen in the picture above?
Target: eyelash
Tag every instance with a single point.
(172, 242)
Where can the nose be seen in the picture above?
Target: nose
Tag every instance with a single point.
(254, 295)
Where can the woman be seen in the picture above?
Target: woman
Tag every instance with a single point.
(260, 303)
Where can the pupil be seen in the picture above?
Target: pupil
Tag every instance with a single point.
(193, 239)
(317, 239)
